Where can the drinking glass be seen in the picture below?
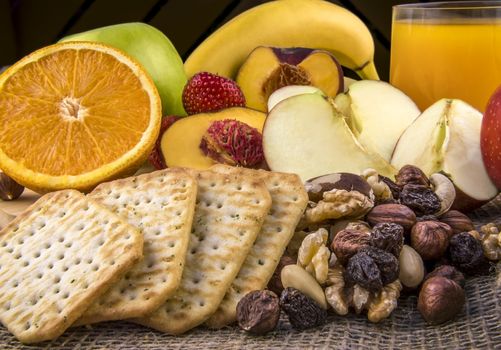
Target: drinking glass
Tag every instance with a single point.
(447, 49)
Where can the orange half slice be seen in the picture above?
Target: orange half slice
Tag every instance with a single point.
(75, 114)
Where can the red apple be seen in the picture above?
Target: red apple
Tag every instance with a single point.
(490, 138)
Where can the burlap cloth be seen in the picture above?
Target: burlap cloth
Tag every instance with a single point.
(477, 327)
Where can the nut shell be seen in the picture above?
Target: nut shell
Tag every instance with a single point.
(9, 189)
(392, 213)
(258, 312)
(410, 174)
(449, 272)
(347, 243)
(440, 300)
(458, 221)
(430, 239)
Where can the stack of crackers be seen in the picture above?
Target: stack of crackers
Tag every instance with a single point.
(171, 250)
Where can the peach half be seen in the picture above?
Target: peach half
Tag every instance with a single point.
(181, 142)
(267, 69)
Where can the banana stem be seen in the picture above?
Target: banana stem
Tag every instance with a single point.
(368, 71)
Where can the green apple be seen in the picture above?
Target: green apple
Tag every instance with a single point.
(151, 48)
(446, 138)
(377, 113)
(305, 134)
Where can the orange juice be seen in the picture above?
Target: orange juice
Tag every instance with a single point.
(432, 59)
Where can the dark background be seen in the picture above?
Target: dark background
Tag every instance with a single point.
(26, 25)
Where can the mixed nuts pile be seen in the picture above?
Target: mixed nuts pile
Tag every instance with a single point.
(366, 239)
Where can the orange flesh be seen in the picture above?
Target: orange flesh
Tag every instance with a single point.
(72, 111)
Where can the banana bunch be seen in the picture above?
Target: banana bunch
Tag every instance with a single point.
(314, 24)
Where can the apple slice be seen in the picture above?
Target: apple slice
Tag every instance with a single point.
(446, 138)
(289, 91)
(378, 113)
(305, 134)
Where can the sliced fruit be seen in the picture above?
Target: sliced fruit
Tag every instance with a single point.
(156, 158)
(206, 92)
(181, 142)
(378, 113)
(270, 68)
(446, 138)
(76, 114)
(490, 142)
(151, 48)
(307, 135)
(289, 91)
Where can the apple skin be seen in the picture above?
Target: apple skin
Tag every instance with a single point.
(153, 50)
(490, 138)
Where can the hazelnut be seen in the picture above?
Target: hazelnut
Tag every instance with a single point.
(258, 312)
(458, 221)
(275, 283)
(440, 299)
(411, 267)
(347, 243)
(430, 239)
(393, 213)
(9, 189)
(449, 272)
(410, 174)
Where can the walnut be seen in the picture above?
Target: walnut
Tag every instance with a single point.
(491, 241)
(381, 190)
(313, 255)
(383, 304)
(360, 298)
(337, 204)
(334, 293)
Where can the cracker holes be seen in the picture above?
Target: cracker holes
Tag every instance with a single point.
(20, 241)
(50, 266)
(196, 281)
(127, 276)
(132, 297)
(117, 196)
(193, 230)
(212, 184)
(201, 238)
(26, 263)
(57, 279)
(257, 201)
(17, 256)
(10, 250)
(86, 208)
(95, 267)
(219, 205)
(275, 183)
(77, 261)
(4, 244)
(68, 244)
(164, 279)
(201, 303)
(148, 200)
(239, 188)
(39, 275)
(208, 204)
(89, 261)
(32, 233)
(122, 291)
(215, 247)
(66, 295)
(62, 214)
(150, 264)
(279, 229)
(241, 233)
(109, 192)
(112, 262)
(193, 251)
(27, 326)
(295, 198)
(260, 262)
(171, 244)
(47, 245)
(222, 267)
(15, 284)
(106, 222)
(85, 286)
(100, 242)
(42, 225)
(7, 306)
(57, 291)
(65, 268)
(60, 256)
(60, 239)
(183, 185)
(37, 255)
(15, 229)
(178, 213)
(81, 227)
(157, 233)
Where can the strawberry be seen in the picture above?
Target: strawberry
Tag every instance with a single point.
(207, 92)
(156, 158)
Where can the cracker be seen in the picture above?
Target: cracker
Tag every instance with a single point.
(289, 199)
(229, 213)
(58, 257)
(161, 205)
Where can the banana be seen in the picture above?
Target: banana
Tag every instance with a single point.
(314, 24)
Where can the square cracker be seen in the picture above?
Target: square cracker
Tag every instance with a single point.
(56, 258)
(161, 204)
(228, 216)
(289, 199)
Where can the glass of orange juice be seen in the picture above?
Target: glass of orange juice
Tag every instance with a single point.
(447, 49)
